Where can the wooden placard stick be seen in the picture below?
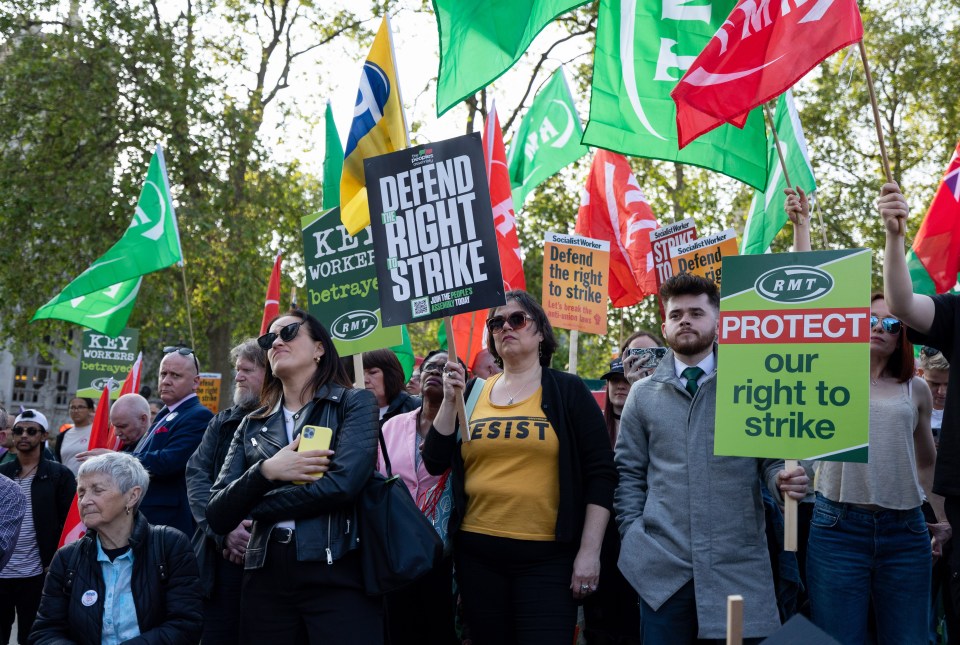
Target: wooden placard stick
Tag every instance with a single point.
(790, 513)
(452, 356)
(735, 620)
(783, 161)
(574, 346)
(876, 121)
(358, 371)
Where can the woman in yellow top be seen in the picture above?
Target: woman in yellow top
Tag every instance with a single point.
(533, 487)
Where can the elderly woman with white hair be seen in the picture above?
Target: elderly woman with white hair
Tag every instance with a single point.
(124, 579)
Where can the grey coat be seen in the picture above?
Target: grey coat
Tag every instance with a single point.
(685, 513)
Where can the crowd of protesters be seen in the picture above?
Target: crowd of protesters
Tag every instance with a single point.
(555, 516)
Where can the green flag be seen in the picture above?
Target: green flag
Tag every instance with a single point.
(767, 216)
(481, 39)
(104, 311)
(102, 297)
(404, 352)
(332, 163)
(548, 138)
(643, 47)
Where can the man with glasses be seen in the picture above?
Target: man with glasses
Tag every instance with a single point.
(49, 488)
(174, 436)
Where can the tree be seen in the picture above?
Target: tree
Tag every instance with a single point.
(100, 87)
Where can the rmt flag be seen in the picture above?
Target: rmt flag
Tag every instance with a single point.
(763, 48)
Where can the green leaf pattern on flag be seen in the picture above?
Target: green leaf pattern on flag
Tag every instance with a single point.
(642, 49)
(766, 216)
(548, 139)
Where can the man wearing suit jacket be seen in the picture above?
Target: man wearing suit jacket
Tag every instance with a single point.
(173, 438)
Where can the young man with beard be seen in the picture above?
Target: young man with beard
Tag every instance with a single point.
(221, 556)
(48, 488)
(692, 523)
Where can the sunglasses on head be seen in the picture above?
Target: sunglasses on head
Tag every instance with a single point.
(286, 334)
(19, 430)
(517, 321)
(183, 351)
(929, 352)
(889, 324)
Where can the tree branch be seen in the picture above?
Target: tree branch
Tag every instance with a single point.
(536, 69)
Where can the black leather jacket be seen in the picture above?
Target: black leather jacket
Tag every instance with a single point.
(167, 598)
(324, 510)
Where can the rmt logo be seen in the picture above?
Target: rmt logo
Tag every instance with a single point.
(794, 284)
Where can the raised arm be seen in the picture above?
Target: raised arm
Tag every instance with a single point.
(916, 310)
(797, 206)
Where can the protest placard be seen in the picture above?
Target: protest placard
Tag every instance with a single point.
(663, 239)
(342, 284)
(575, 282)
(433, 233)
(103, 358)
(793, 377)
(209, 390)
(704, 256)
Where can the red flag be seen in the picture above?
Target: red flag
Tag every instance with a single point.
(937, 244)
(271, 304)
(131, 384)
(758, 53)
(101, 436)
(613, 208)
(501, 199)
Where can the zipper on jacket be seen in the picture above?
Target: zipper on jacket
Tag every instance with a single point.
(256, 445)
(329, 533)
(267, 439)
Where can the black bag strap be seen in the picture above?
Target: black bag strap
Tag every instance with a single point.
(158, 547)
(383, 452)
(72, 569)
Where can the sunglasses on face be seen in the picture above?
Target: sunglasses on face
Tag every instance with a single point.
(19, 430)
(183, 351)
(889, 325)
(517, 321)
(286, 334)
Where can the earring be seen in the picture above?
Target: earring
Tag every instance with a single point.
(128, 510)
(316, 359)
(540, 350)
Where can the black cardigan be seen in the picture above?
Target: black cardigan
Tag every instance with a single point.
(587, 472)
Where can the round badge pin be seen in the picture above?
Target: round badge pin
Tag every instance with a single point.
(89, 598)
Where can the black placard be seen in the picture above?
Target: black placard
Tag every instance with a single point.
(433, 234)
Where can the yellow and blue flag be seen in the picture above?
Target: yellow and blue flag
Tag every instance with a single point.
(378, 127)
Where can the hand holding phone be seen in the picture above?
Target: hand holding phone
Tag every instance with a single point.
(314, 438)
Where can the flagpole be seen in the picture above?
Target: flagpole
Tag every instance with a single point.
(186, 298)
(876, 121)
(574, 343)
(823, 226)
(396, 70)
(783, 162)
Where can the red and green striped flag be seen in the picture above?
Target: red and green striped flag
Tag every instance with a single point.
(934, 258)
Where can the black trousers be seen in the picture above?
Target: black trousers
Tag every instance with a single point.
(516, 592)
(422, 613)
(286, 601)
(20, 596)
(221, 625)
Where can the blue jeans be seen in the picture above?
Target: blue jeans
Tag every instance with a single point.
(675, 623)
(855, 557)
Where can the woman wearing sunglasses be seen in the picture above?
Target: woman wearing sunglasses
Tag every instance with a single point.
(302, 580)
(532, 488)
(868, 538)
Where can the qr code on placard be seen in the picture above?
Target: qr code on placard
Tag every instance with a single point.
(421, 307)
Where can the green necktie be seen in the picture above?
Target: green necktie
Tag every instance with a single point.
(692, 374)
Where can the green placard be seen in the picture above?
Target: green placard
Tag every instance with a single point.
(794, 361)
(342, 284)
(103, 357)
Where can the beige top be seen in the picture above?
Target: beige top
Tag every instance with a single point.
(890, 479)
